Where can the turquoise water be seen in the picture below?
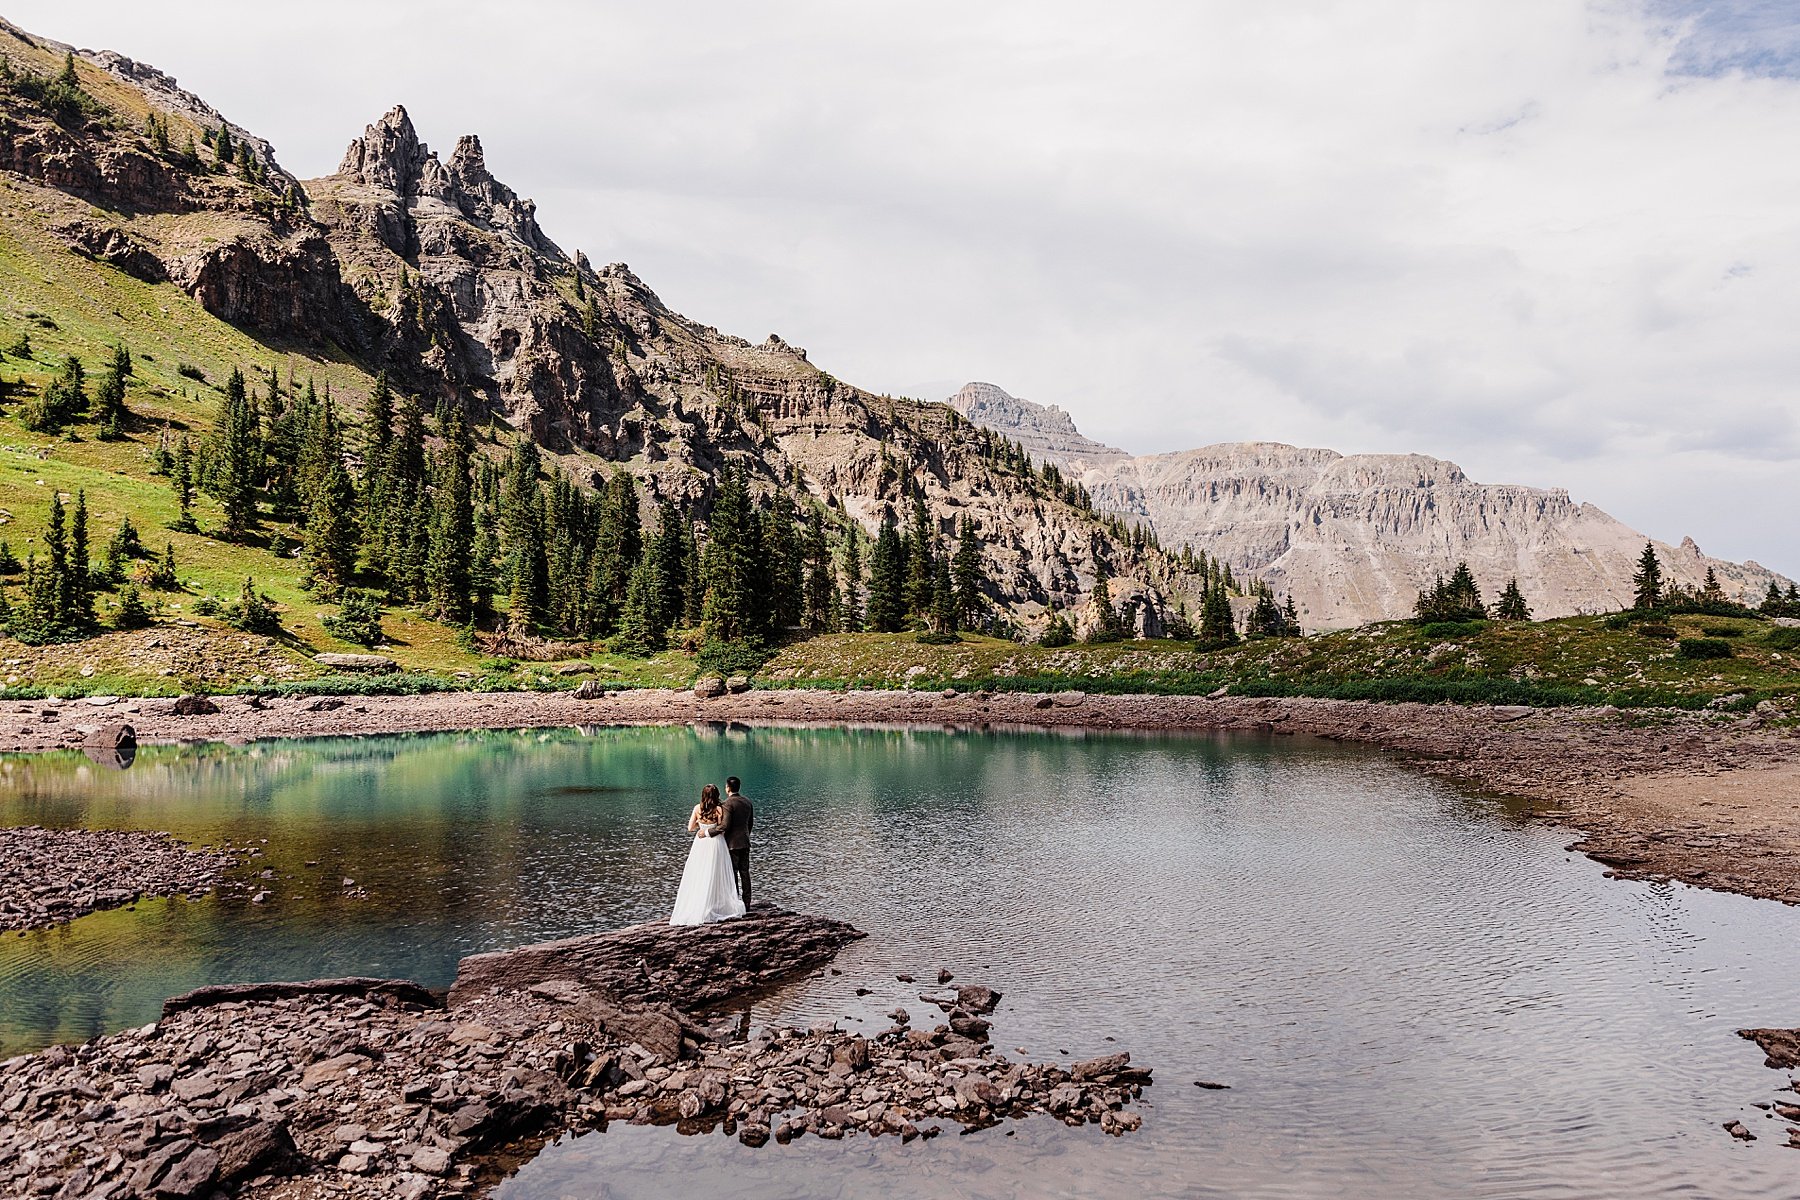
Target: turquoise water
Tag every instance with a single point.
(1411, 991)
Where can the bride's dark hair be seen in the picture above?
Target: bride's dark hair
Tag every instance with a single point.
(709, 801)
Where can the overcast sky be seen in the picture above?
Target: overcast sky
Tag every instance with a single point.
(1558, 244)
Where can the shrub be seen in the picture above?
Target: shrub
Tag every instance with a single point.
(206, 606)
(1440, 630)
(132, 613)
(1057, 634)
(732, 658)
(252, 612)
(20, 347)
(1618, 620)
(1784, 638)
(358, 618)
(1657, 631)
(1721, 631)
(938, 639)
(190, 371)
(1703, 648)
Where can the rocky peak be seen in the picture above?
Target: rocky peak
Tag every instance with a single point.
(388, 155)
(1045, 431)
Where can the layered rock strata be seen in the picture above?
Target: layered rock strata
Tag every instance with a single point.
(1353, 538)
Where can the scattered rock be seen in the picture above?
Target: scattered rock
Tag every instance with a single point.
(738, 684)
(325, 704)
(588, 689)
(48, 876)
(194, 706)
(709, 687)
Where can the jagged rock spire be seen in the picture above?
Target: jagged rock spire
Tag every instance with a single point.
(387, 155)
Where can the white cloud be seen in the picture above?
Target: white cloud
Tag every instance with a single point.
(1558, 244)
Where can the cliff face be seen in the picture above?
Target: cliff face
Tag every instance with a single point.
(1353, 538)
(431, 269)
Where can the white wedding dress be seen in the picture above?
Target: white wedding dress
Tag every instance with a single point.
(708, 890)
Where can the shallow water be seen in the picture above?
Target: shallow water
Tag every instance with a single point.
(1411, 991)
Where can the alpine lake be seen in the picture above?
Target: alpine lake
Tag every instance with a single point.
(1410, 990)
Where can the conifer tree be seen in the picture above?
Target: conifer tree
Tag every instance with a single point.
(666, 554)
(10, 565)
(943, 597)
(132, 614)
(887, 580)
(110, 396)
(920, 571)
(820, 584)
(851, 615)
(181, 479)
(237, 460)
(641, 628)
(1106, 626)
(79, 613)
(1511, 605)
(526, 573)
(1216, 625)
(1647, 583)
(162, 576)
(328, 547)
(450, 571)
(965, 574)
(783, 564)
(733, 610)
(693, 588)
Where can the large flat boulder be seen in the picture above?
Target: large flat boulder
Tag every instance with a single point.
(691, 967)
(373, 663)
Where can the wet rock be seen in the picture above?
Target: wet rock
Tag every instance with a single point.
(1736, 1129)
(1781, 1045)
(977, 998)
(48, 876)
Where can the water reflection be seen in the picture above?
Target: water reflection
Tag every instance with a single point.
(1410, 992)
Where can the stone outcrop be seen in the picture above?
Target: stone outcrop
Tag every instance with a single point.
(690, 967)
(1353, 538)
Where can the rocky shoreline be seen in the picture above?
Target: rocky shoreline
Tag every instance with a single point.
(55, 875)
(379, 1087)
(1638, 784)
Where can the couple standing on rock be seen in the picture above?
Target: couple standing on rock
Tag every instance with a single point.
(715, 884)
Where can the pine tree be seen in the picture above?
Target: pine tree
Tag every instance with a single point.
(181, 479)
(251, 612)
(328, 547)
(237, 460)
(820, 585)
(850, 618)
(1106, 625)
(1647, 583)
(618, 546)
(1216, 625)
(733, 610)
(79, 614)
(111, 396)
(10, 565)
(449, 574)
(162, 576)
(943, 598)
(920, 570)
(965, 572)
(887, 580)
(1710, 591)
(132, 614)
(666, 554)
(783, 564)
(641, 628)
(526, 572)
(1512, 606)
(693, 588)
(121, 549)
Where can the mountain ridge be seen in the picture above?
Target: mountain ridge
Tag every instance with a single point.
(1354, 538)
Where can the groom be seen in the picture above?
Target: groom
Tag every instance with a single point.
(740, 818)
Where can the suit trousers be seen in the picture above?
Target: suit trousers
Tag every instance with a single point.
(740, 866)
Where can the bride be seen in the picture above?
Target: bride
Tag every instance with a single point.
(708, 890)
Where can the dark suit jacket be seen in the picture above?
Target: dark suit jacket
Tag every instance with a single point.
(740, 819)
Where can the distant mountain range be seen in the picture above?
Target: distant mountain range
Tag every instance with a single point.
(1354, 537)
